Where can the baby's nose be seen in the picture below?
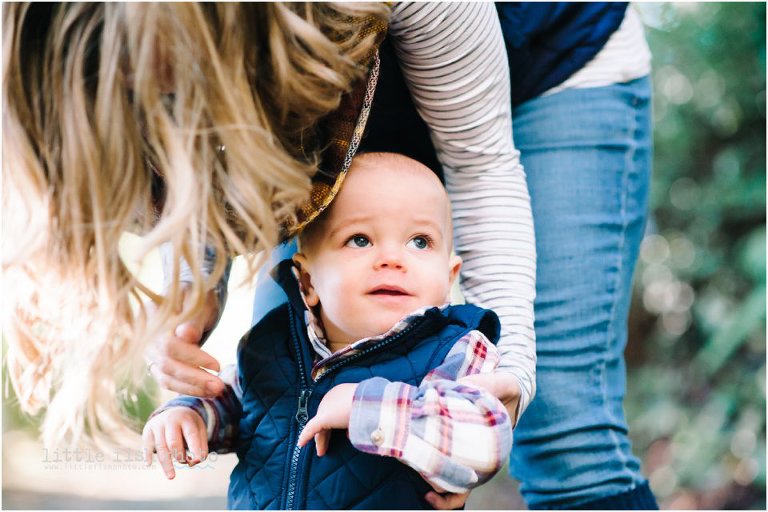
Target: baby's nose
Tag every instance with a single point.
(390, 259)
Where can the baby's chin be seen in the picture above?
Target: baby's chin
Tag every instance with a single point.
(386, 321)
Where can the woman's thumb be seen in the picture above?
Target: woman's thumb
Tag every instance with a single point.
(191, 332)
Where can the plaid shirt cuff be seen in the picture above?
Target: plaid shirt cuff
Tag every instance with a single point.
(456, 436)
(379, 422)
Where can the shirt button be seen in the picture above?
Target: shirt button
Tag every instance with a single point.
(377, 437)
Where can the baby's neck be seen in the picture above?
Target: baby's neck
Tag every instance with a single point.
(335, 347)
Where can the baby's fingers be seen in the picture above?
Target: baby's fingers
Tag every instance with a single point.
(163, 453)
(196, 441)
(174, 438)
(446, 501)
(148, 445)
(322, 439)
(314, 428)
(310, 429)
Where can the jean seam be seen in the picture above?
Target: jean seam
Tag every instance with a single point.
(627, 172)
(618, 285)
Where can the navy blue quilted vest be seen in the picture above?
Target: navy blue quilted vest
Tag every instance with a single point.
(279, 395)
(547, 42)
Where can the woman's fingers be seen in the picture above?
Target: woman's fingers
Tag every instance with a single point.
(176, 359)
(188, 380)
(185, 349)
(447, 501)
(184, 346)
(503, 386)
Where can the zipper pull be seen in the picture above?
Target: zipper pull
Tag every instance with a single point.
(301, 414)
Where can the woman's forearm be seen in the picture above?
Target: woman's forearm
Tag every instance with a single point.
(454, 62)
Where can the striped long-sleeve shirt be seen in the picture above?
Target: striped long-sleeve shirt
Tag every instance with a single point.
(454, 61)
(455, 435)
(455, 64)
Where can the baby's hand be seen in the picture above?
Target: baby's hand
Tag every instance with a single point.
(333, 412)
(167, 433)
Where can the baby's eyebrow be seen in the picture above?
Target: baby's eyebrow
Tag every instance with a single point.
(432, 224)
(349, 221)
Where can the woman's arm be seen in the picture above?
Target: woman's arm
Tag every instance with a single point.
(454, 61)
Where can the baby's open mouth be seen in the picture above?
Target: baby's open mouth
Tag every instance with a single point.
(388, 290)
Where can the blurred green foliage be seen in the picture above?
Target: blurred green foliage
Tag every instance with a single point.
(696, 378)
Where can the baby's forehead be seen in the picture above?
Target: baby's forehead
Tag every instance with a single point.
(367, 167)
(391, 175)
(374, 178)
(390, 159)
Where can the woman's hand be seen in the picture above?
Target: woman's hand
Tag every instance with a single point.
(176, 360)
(504, 387)
(501, 385)
(446, 500)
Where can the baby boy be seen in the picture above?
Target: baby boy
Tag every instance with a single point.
(367, 343)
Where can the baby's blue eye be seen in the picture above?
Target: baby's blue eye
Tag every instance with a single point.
(358, 241)
(419, 242)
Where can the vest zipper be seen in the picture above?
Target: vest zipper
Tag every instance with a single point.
(301, 418)
(302, 414)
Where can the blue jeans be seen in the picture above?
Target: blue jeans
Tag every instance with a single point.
(587, 155)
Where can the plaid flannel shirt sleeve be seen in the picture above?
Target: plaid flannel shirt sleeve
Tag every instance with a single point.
(221, 415)
(456, 436)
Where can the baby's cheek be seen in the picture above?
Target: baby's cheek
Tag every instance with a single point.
(441, 285)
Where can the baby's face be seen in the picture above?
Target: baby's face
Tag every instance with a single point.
(383, 251)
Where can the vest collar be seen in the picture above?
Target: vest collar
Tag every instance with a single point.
(287, 276)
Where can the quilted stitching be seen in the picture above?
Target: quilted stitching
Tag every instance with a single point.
(345, 478)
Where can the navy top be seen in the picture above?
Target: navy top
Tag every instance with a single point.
(547, 42)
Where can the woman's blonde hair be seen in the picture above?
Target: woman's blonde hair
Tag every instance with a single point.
(191, 124)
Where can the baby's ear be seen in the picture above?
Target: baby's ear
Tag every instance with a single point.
(454, 264)
(305, 280)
